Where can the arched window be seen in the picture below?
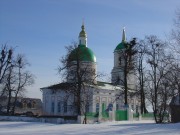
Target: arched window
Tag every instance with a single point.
(104, 107)
(59, 106)
(52, 107)
(110, 107)
(24, 104)
(29, 105)
(97, 107)
(33, 104)
(65, 107)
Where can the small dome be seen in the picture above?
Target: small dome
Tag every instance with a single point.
(123, 42)
(120, 46)
(82, 53)
(82, 33)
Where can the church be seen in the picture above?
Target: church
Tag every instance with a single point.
(101, 100)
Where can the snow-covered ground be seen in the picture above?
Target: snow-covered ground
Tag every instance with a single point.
(110, 128)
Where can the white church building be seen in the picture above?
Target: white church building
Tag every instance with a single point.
(105, 100)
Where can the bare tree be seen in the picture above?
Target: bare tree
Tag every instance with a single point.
(159, 69)
(128, 56)
(23, 79)
(141, 75)
(175, 33)
(174, 79)
(86, 100)
(175, 46)
(14, 77)
(80, 75)
(5, 65)
(8, 88)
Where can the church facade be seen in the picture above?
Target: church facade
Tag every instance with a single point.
(101, 100)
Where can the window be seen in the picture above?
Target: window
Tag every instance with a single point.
(103, 107)
(136, 108)
(119, 60)
(132, 107)
(97, 107)
(59, 107)
(33, 104)
(29, 105)
(24, 104)
(65, 107)
(97, 98)
(117, 107)
(110, 107)
(52, 107)
(87, 107)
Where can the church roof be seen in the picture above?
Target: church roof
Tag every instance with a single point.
(82, 53)
(99, 85)
(120, 46)
(123, 42)
(106, 85)
(63, 85)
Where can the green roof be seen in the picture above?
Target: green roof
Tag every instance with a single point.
(120, 46)
(82, 53)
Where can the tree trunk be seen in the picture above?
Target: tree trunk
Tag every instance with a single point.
(9, 91)
(85, 119)
(9, 102)
(125, 83)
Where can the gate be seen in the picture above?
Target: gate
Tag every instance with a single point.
(121, 115)
(105, 114)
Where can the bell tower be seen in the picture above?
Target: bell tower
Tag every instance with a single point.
(117, 74)
(117, 71)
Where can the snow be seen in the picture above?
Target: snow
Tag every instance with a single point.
(109, 128)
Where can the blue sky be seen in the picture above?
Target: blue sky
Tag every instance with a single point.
(41, 28)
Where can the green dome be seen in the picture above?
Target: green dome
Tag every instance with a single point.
(82, 53)
(120, 46)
